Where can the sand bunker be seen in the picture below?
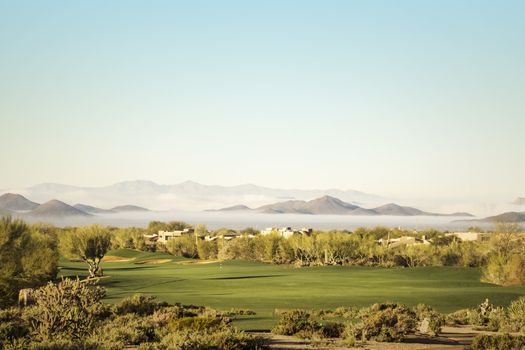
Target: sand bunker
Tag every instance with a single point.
(152, 261)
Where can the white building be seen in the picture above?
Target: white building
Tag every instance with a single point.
(165, 236)
(286, 232)
(470, 236)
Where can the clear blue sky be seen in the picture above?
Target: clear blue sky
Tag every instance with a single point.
(416, 98)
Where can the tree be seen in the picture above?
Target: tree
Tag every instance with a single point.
(90, 244)
(28, 258)
(506, 258)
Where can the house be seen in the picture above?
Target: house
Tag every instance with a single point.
(403, 241)
(286, 232)
(165, 236)
(470, 236)
(226, 237)
(151, 239)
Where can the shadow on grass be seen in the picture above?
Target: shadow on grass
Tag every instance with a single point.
(243, 277)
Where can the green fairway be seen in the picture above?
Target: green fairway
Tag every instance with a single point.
(263, 287)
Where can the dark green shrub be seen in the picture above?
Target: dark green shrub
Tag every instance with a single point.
(295, 321)
(498, 342)
(139, 304)
(12, 326)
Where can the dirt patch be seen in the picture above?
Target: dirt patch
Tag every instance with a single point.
(152, 261)
(452, 338)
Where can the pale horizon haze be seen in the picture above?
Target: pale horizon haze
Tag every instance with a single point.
(412, 99)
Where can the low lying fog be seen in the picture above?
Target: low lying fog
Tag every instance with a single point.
(214, 220)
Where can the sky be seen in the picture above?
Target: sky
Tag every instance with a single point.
(397, 98)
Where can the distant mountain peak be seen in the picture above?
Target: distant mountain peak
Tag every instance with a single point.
(56, 208)
(16, 202)
(128, 207)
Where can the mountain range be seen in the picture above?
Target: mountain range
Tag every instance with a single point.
(13, 203)
(185, 196)
(328, 205)
(510, 216)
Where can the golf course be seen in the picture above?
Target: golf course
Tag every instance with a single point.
(264, 287)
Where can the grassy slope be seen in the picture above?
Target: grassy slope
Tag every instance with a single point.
(262, 287)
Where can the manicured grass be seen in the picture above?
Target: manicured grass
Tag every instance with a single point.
(263, 287)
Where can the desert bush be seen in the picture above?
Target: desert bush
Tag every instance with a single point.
(239, 312)
(331, 329)
(497, 319)
(139, 304)
(459, 317)
(346, 312)
(422, 311)
(197, 324)
(498, 342)
(65, 344)
(164, 315)
(295, 321)
(129, 329)
(480, 315)
(67, 310)
(516, 314)
(436, 322)
(223, 339)
(384, 322)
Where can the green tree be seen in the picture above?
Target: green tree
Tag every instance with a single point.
(28, 258)
(89, 244)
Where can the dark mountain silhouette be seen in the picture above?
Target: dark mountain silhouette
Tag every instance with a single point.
(93, 210)
(16, 202)
(56, 208)
(124, 208)
(328, 205)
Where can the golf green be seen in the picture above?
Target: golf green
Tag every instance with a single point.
(264, 287)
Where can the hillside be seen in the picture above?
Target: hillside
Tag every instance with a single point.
(328, 205)
(16, 202)
(56, 208)
(239, 207)
(398, 210)
(325, 205)
(92, 210)
(510, 216)
(126, 208)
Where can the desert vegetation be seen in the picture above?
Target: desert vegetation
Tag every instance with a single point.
(70, 315)
(71, 311)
